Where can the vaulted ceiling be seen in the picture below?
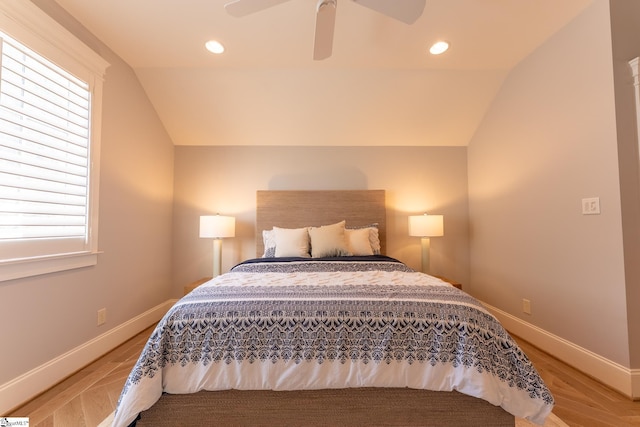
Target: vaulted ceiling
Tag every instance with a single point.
(379, 87)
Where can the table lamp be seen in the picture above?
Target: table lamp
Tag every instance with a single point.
(426, 226)
(217, 227)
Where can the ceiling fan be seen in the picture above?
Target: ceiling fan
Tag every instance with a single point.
(407, 11)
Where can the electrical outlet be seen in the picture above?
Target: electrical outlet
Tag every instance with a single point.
(526, 306)
(102, 316)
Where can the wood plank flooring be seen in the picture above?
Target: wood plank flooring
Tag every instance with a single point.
(90, 395)
(581, 400)
(87, 397)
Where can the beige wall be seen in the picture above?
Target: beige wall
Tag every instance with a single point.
(45, 316)
(548, 141)
(225, 180)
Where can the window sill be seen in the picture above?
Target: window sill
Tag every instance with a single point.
(10, 270)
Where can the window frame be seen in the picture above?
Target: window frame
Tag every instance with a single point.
(28, 24)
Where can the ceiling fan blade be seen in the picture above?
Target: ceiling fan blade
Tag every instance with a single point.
(240, 8)
(325, 24)
(407, 11)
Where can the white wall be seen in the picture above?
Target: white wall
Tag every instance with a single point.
(47, 316)
(225, 180)
(549, 140)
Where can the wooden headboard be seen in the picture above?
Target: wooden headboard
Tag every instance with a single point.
(294, 209)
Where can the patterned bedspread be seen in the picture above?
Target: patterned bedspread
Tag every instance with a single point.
(304, 324)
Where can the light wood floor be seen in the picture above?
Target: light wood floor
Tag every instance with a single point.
(88, 396)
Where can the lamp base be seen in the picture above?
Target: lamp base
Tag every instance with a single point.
(426, 247)
(217, 257)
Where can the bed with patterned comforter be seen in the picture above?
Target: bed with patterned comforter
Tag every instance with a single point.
(292, 324)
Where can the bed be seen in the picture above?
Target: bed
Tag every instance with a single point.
(322, 328)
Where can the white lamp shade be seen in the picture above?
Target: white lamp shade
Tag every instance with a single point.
(426, 225)
(217, 226)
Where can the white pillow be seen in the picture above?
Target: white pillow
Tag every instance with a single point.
(374, 236)
(269, 240)
(374, 239)
(358, 241)
(328, 240)
(292, 242)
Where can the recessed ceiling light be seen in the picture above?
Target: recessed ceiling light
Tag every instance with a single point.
(214, 46)
(439, 47)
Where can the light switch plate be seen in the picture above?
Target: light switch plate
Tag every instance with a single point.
(591, 206)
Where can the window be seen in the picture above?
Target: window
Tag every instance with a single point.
(49, 146)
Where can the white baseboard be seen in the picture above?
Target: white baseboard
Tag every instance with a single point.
(614, 375)
(28, 385)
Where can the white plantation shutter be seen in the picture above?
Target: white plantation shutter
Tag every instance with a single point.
(50, 107)
(44, 155)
